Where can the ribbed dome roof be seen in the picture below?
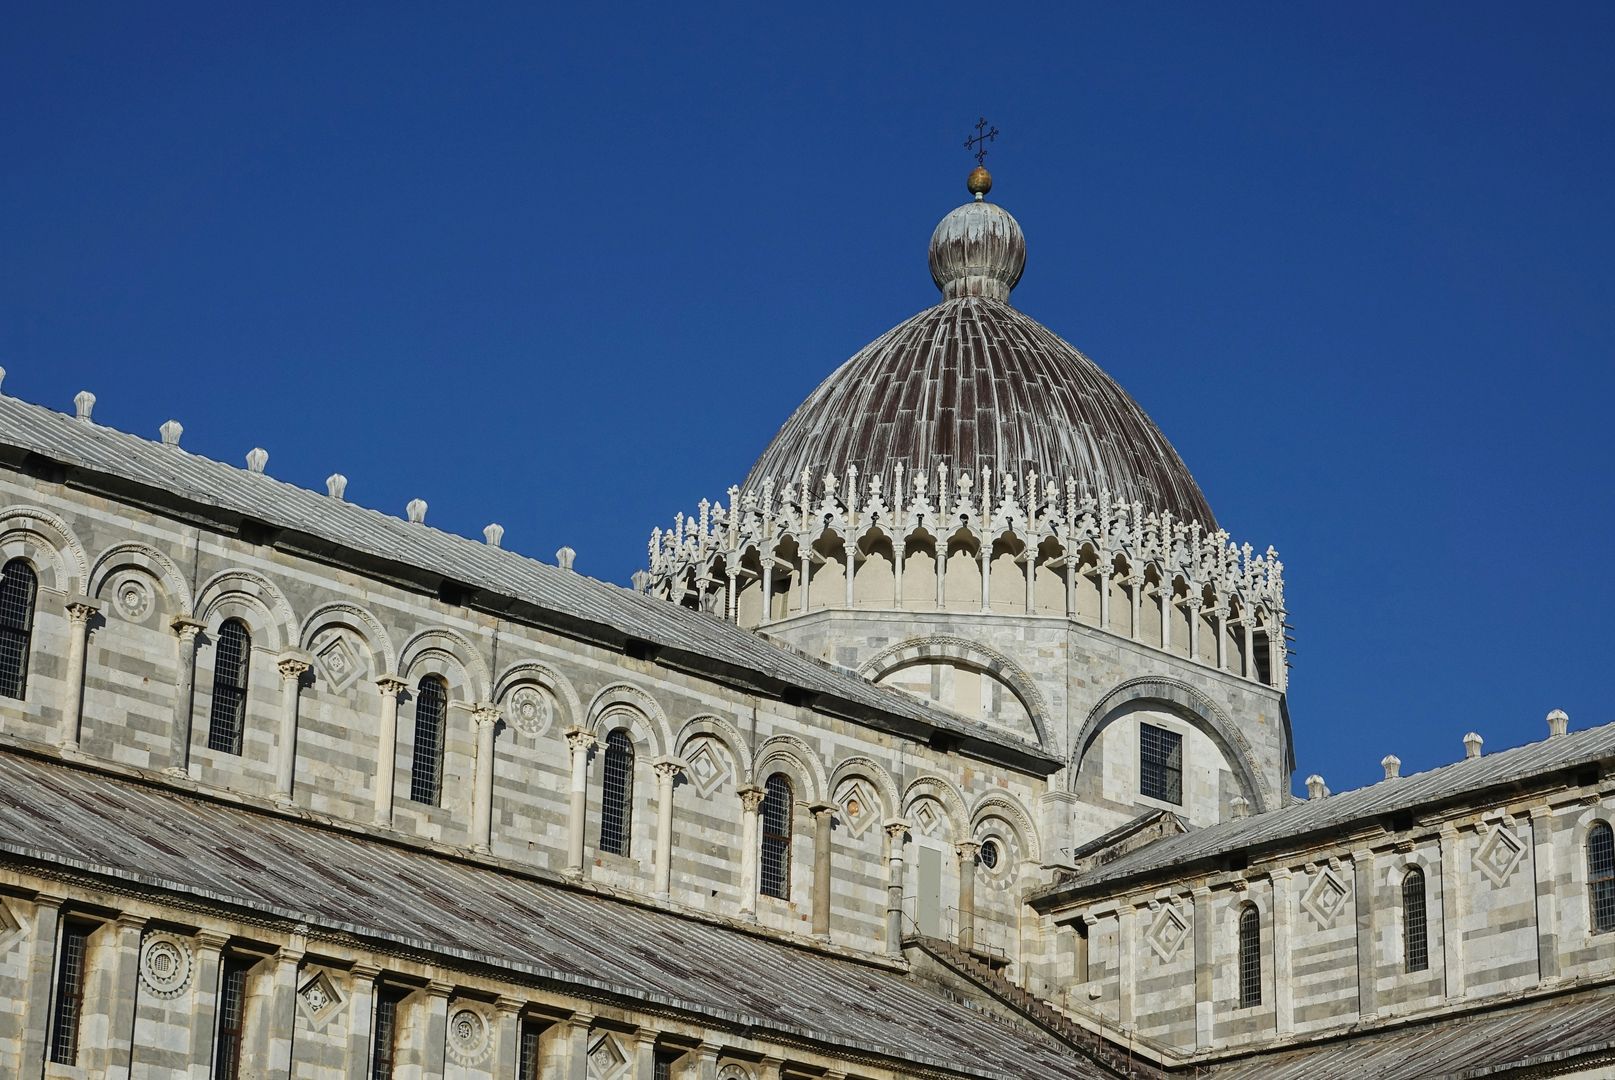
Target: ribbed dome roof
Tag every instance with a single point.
(973, 382)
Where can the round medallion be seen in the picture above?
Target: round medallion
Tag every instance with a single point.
(133, 598)
(469, 1035)
(165, 965)
(530, 710)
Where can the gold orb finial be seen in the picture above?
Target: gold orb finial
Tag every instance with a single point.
(980, 182)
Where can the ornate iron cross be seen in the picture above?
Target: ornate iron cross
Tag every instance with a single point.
(978, 142)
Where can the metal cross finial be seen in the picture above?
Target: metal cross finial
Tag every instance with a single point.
(978, 142)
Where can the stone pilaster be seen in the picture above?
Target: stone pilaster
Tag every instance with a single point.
(966, 853)
(292, 668)
(507, 1036)
(1205, 962)
(387, 747)
(1283, 995)
(486, 719)
(123, 986)
(706, 1061)
(41, 973)
(1125, 962)
(80, 609)
(433, 1040)
(1452, 913)
(823, 875)
(667, 770)
(205, 1000)
(1543, 868)
(282, 1015)
(896, 834)
(361, 1016)
(1367, 956)
(751, 801)
(644, 1063)
(186, 630)
(579, 742)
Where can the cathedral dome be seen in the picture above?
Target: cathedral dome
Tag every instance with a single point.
(975, 383)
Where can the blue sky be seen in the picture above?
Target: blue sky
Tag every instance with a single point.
(568, 269)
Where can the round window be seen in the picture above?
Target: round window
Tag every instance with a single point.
(989, 854)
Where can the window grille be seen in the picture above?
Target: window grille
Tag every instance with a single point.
(527, 1062)
(232, 1016)
(1415, 926)
(69, 1010)
(617, 793)
(18, 587)
(1601, 876)
(1160, 763)
(384, 1053)
(777, 802)
(664, 1065)
(232, 651)
(426, 763)
(989, 854)
(1250, 957)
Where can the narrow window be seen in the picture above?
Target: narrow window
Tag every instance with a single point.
(527, 1063)
(777, 801)
(1415, 927)
(617, 793)
(1601, 876)
(1250, 957)
(1262, 658)
(69, 1011)
(664, 1065)
(1160, 763)
(18, 585)
(384, 1052)
(1081, 960)
(232, 1016)
(231, 652)
(426, 765)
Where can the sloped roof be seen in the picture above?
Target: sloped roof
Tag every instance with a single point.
(80, 820)
(1290, 825)
(547, 595)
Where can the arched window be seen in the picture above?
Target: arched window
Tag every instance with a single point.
(617, 793)
(1601, 876)
(1250, 957)
(426, 762)
(1415, 926)
(18, 586)
(232, 652)
(777, 803)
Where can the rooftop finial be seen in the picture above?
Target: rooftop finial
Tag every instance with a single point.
(981, 181)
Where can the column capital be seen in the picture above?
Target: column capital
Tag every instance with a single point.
(487, 713)
(290, 954)
(967, 850)
(390, 685)
(646, 1036)
(186, 627)
(508, 1006)
(365, 972)
(80, 608)
(578, 739)
(129, 921)
(896, 828)
(668, 767)
(438, 989)
(819, 809)
(214, 940)
(50, 900)
(293, 665)
(751, 798)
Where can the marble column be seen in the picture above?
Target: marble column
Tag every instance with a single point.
(751, 801)
(486, 719)
(986, 561)
(179, 746)
(1135, 586)
(41, 975)
(361, 1017)
(768, 591)
(1219, 618)
(579, 742)
(667, 770)
(205, 1000)
(1452, 923)
(967, 851)
(292, 668)
(283, 1013)
(1192, 603)
(823, 873)
(80, 609)
(387, 747)
(896, 832)
(111, 1060)
(507, 1037)
(1283, 999)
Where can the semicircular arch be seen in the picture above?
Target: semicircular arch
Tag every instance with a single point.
(963, 651)
(33, 526)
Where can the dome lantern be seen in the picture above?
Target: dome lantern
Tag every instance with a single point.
(978, 249)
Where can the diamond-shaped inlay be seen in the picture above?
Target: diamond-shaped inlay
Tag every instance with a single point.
(606, 1059)
(1168, 933)
(857, 808)
(707, 768)
(1499, 854)
(338, 663)
(1325, 898)
(319, 1000)
(927, 817)
(10, 929)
